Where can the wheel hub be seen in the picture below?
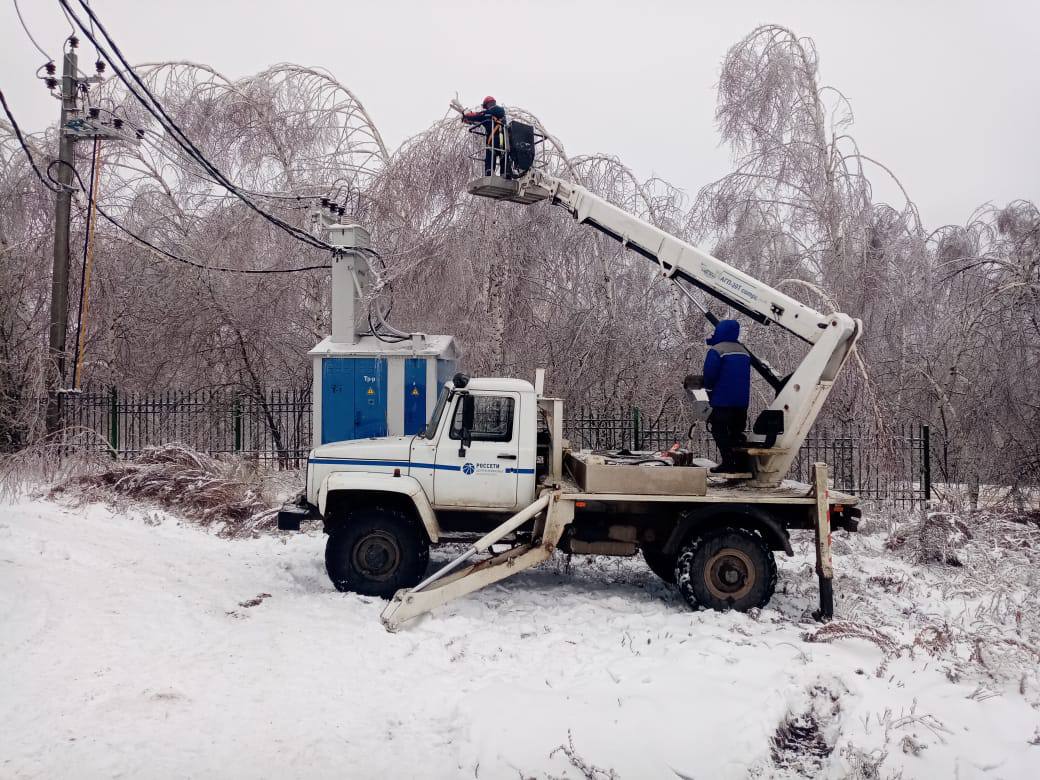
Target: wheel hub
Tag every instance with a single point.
(377, 555)
(730, 574)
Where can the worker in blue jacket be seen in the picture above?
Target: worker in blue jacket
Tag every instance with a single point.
(493, 119)
(727, 378)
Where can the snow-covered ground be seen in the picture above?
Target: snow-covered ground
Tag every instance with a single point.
(136, 646)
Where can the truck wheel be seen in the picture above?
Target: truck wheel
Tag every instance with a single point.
(662, 564)
(375, 552)
(731, 568)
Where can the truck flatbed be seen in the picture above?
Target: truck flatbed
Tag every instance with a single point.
(719, 491)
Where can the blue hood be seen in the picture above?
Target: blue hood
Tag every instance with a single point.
(726, 330)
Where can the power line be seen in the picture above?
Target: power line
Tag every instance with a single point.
(183, 164)
(24, 145)
(177, 258)
(185, 261)
(25, 27)
(155, 108)
(170, 152)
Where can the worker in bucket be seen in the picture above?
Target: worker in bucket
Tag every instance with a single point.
(492, 118)
(727, 378)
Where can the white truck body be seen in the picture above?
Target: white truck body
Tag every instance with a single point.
(494, 478)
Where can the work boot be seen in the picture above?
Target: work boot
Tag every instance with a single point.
(724, 468)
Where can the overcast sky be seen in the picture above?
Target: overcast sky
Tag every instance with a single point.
(947, 94)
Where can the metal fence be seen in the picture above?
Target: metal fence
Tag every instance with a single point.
(893, 466)
(275, 428)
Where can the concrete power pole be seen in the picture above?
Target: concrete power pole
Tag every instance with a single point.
(62, 217)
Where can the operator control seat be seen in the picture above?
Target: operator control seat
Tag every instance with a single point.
(768, 426)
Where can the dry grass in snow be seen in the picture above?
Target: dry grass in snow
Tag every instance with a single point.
(201, 488)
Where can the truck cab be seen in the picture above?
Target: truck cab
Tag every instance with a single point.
(384, 500)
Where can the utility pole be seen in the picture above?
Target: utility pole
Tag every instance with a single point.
(62, 217)
(74, 126)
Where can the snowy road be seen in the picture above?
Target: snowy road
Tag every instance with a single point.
(126, 652)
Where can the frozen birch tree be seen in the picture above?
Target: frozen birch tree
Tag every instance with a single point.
(950, 317)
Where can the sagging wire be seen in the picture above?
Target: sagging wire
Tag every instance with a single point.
(183, 164)
(24, 145)
(25, 27)
(391, 335)
(149, 101)
(169, 255)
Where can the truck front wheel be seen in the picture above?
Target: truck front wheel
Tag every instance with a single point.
(730, 568)
(375, 552)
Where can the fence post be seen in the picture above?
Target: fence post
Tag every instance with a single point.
(113, 422)
(238, 422)
(635, 427)
(926, 436)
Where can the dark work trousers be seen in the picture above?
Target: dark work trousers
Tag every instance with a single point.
(495, 154)
(727, 428)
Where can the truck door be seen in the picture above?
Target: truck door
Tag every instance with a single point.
(486, 476)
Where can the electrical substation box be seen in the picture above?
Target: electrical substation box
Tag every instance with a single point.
(377, 388)
(367, 385)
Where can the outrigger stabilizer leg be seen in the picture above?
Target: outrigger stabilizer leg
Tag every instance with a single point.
(452, 580)
(822, 527)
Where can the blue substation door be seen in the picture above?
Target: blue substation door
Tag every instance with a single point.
(414, 395)
(369, 397)
(337, 399)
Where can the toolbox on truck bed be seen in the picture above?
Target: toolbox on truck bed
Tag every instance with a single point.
(595, 476)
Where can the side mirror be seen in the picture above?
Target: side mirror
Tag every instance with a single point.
(467, 424)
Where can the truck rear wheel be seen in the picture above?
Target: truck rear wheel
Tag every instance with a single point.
(661, 563)
(731, 568)
(376, 551)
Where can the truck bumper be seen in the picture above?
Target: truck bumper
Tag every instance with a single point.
(295, 512)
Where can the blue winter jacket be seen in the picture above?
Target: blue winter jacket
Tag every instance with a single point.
(727, 368)
(492, 119)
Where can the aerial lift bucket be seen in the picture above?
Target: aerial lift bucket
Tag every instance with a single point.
(521, 153)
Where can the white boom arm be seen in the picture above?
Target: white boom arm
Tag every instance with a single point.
(831, 336)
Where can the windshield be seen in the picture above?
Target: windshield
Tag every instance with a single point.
(435, 417)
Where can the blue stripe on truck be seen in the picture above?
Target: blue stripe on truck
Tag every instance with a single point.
(401, 464)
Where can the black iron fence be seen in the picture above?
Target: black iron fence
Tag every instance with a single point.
(275, 427)
(892, 466)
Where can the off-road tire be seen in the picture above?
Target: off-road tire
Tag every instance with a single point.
(376, 551)
(728, 568)
(662, 564)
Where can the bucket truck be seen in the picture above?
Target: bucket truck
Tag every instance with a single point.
(493, 456)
